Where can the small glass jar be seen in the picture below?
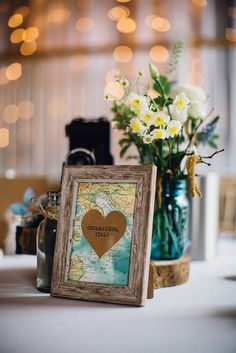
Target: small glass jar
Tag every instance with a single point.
(46, 237)
(171, 221)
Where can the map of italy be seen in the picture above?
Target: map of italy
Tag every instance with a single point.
(113, 266)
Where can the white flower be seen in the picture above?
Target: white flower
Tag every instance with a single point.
(147, 138)
(160, 118)
(198, 99)
(193, 93)
(178, 115)
(136, 126)
(146, 117)
(118, 75)
(124, 82)
(173, 128)
(141, 74)
(158, 134)
(137, 103)
(179, 108)
(120, 78)
(197, 109)
(181, 102)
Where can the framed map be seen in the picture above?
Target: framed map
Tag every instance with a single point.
(104, 233)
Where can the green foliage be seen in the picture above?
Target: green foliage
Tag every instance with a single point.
(207, 135)
(173, 60)
(166, 152)
(165, 84)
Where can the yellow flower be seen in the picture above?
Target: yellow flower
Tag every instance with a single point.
(173, 128)
(137, 103)
(161, 119)
(159, 134)
(181, 102)
(146, 117)
(136, 126)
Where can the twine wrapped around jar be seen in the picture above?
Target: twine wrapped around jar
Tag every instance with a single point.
(191, 165)
(50, 212)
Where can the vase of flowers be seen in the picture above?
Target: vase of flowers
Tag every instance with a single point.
(166, 129)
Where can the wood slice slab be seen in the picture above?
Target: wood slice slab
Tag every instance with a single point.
(170, 273)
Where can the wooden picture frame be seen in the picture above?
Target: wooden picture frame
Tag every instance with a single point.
(83, 267)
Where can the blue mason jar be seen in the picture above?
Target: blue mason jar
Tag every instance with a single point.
(171, 221)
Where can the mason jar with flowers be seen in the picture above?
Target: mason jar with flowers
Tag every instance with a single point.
(166, 129)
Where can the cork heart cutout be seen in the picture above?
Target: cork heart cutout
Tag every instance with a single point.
(103, 233)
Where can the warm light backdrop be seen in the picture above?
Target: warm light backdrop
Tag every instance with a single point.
(56, 57)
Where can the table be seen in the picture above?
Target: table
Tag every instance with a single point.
(197, 317)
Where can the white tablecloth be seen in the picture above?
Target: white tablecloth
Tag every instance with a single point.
(197, 317)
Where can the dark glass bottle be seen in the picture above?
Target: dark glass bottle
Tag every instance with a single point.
(46, 237)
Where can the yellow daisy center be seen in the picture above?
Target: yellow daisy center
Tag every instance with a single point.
(174, 131)
(159, 121)
(159, 134)
(147, 117)
(136, 103)
(136, 127)
(180, 103)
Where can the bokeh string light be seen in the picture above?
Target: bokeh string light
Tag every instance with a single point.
(17, 35)
(31, 34)
(26, 109)
(159, 24)
(4, 137)
(122, 53)
(118, 12)
(14, 71)
(159, 53)
(11, 113)
(15, 20)
(84, 24)
(126, 25)
(28, 48)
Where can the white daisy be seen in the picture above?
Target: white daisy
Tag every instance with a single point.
(158, 134)
(124, 82)
(146, 117)
(136, 126)
(173, 128)
(141, 74)
(160, 118)
(147, 138)
(177, 114)
(181, 102)
(137, 103)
